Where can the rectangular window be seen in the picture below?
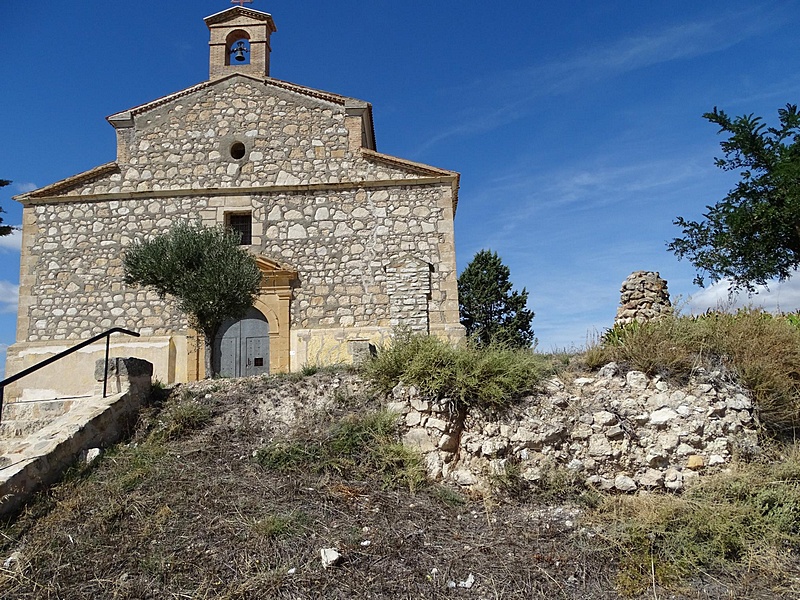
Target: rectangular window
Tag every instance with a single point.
(241, 223)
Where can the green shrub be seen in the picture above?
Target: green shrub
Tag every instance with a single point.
(488, 377)
(357, 447)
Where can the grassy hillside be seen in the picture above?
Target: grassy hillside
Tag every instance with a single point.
(230, 489)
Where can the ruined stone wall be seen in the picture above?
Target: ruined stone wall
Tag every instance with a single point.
(612, 430)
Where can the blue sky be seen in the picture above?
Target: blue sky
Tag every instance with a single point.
(576, 125)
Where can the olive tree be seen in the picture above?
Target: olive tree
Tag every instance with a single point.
(204, 268)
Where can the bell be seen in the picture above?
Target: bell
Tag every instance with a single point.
(239, 52)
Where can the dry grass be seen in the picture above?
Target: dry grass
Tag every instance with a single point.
(744, 520)
(195, 516)
(761, 350)
(192, 514)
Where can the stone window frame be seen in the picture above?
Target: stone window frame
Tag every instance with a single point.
(226, 144)
(247, 234)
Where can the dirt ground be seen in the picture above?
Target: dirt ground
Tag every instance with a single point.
(191, 514)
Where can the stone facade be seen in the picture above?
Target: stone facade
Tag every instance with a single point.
(351, 242)
(644, 297)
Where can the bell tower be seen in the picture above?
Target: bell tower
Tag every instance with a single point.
(239, 42)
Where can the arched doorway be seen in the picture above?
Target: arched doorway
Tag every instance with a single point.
(241, 348)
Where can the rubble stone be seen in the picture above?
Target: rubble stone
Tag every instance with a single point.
(658, 435)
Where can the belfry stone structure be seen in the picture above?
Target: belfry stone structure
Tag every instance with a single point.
(351, 242)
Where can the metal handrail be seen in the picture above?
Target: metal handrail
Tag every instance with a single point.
(106, 334)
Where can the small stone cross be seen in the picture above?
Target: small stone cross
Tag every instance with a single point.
(241, 2)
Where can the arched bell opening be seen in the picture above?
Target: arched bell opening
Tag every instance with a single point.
(241, 348)
(237, 46)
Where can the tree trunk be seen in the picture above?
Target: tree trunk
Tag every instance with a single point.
(208, 338)
(209, 348)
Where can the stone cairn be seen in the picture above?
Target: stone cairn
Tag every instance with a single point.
(644, 297)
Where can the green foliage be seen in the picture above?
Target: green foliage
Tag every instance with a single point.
(490, 310)
(753, 234)
(762, 350)
(447, 496)
(357, 447)
(748, 517)
(4, 229)
(210, 275)
(281, 525)
(490, 376)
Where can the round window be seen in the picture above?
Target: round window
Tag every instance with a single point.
(237, 150)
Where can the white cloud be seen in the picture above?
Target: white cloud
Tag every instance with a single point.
(12, 242)
(512, 92)
(783, 296)
(9, 297)
(25, 187)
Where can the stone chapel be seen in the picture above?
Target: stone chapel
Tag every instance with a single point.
(351, 242)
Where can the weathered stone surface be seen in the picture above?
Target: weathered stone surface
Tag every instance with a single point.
(418, 438)
(42, 456)
(604, 431)
(637, 380)
(329, 557)
(695, 462)
(599, 446)
(123, 367)
(643, 297)
(604, 418)
(662, 416)
(623, 483)
(609, 370)
(651, 478)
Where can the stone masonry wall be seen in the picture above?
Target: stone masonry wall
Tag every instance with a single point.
(341, 245)
(341, 239)
(409, 287)
(289, 139)
(613, 430)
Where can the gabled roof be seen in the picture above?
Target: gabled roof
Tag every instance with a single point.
(71, 182)
(239, 11)
(293, 87)
(124, 118)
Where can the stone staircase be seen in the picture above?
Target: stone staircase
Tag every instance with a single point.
(39, 440)
(20, 419)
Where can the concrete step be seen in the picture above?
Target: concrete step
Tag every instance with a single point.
(36, 410)
(23, 417)
(14, 428)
